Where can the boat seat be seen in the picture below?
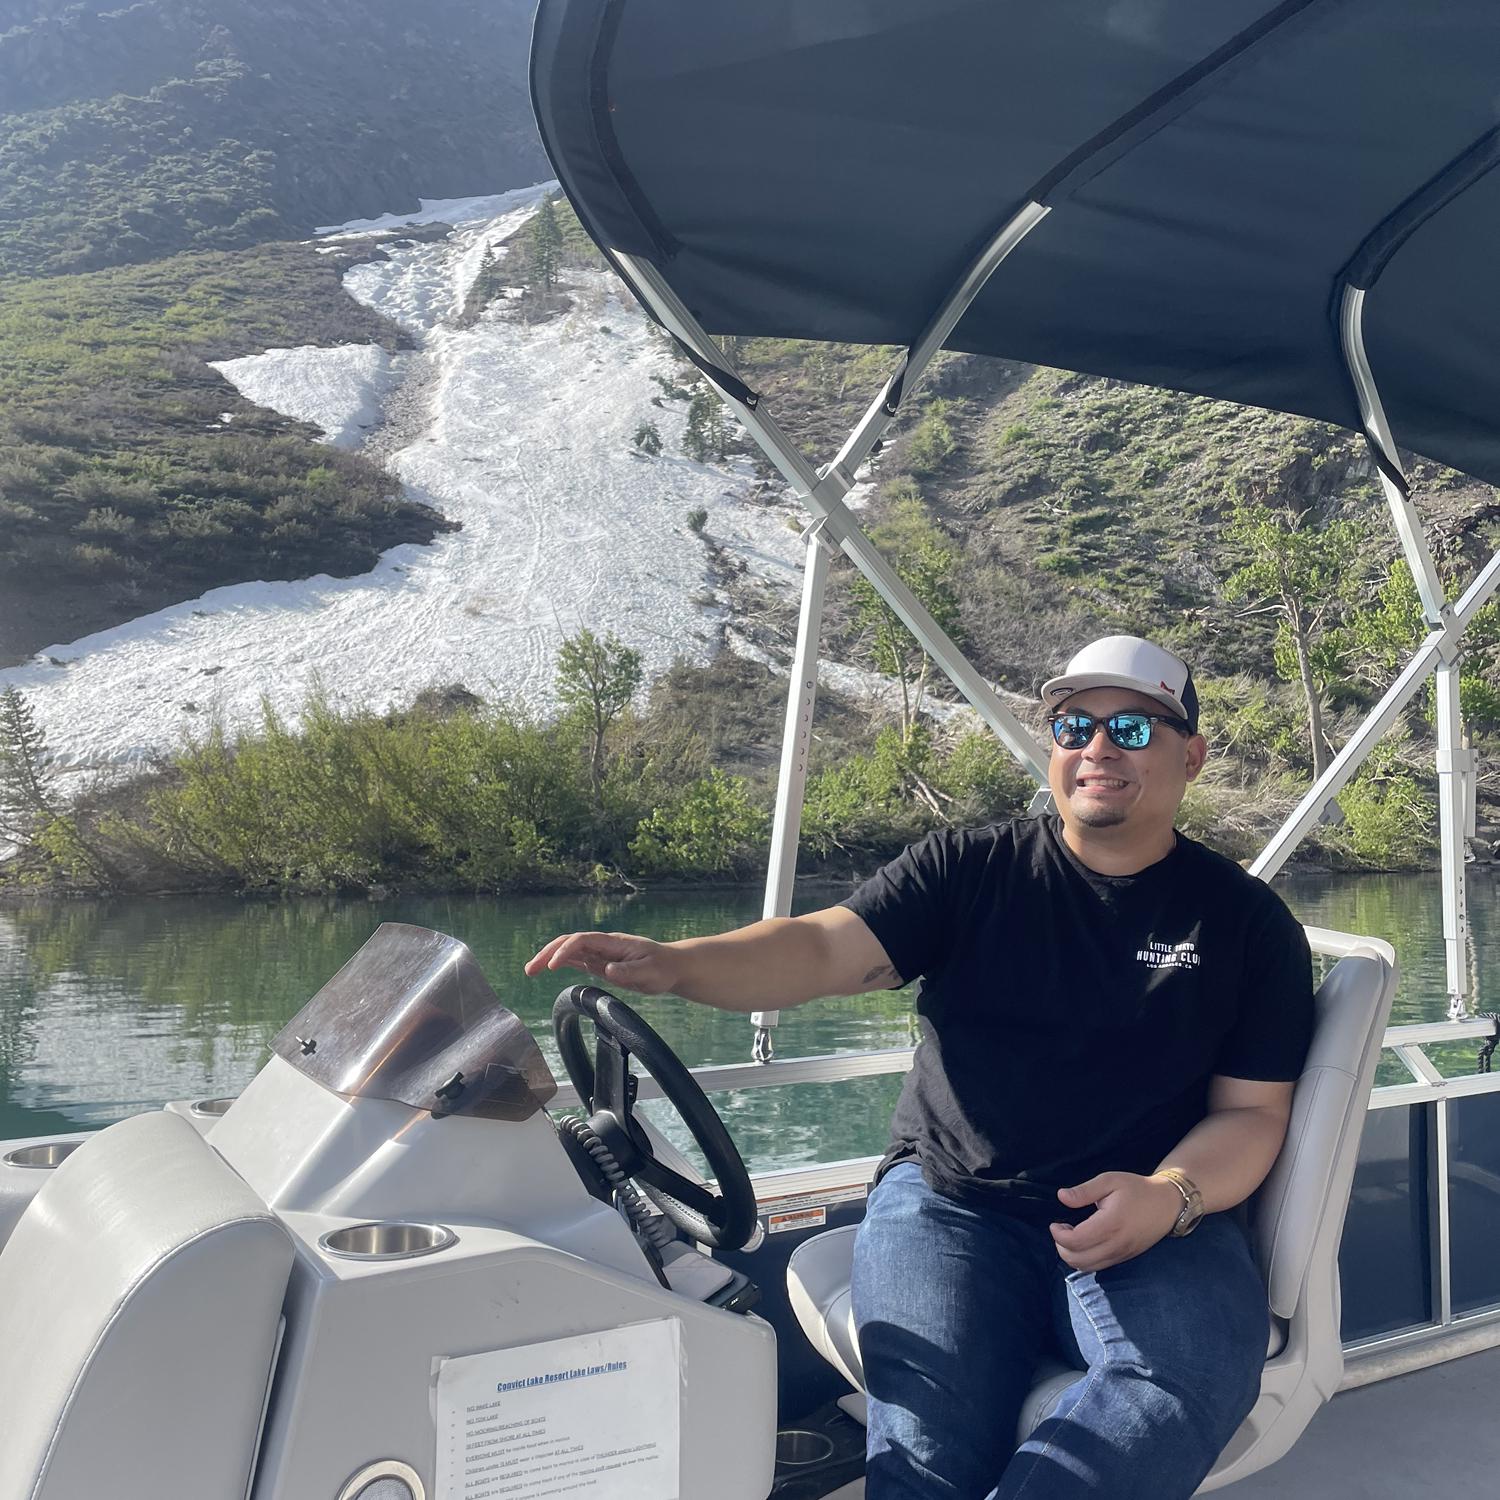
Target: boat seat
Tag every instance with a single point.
(140, 1307)
(1296, 1220)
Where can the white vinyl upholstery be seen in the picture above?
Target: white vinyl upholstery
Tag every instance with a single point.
(1297, 1219)
(140, 1298)
(1313, 1174)
(818, 1284)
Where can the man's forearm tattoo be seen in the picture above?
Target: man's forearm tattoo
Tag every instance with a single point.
(882, 974)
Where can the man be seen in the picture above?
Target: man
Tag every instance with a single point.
(1112, 1018)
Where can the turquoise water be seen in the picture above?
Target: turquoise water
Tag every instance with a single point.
(110, 1007)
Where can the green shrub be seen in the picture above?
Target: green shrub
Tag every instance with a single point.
(1389, 815)
(105, 521)
(1255, 722)
(98, 562)
(711, 828)
(932, 442)
(863, 805)
(985, 779)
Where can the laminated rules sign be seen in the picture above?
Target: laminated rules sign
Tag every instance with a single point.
(595, 1415)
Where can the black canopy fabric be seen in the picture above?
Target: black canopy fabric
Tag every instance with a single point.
(827, 169)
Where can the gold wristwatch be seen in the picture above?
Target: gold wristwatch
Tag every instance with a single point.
(1192, 1201)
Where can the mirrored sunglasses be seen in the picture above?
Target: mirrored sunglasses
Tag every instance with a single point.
(1130, 731)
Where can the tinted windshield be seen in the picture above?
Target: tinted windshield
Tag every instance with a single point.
(411, 1018)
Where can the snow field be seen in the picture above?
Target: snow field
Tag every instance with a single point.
(340, 390)
(527, 445)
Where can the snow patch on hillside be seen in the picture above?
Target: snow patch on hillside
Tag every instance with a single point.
(421, 290)
(523, 435)
(441, 211)
(340, 390)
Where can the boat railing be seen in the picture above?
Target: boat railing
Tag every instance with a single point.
(1417, 1266)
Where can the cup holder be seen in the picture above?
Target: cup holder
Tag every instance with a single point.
(388, 1240)
(48, 1154)
(211, 1107)
(796, 1446)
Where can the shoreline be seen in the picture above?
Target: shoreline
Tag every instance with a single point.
(13, 897)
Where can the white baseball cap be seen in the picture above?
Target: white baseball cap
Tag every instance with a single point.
(1128, 661)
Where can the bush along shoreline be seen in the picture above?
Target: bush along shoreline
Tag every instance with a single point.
(619, 788)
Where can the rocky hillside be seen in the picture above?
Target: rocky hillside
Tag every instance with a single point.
(134, 131)
(1079, 506)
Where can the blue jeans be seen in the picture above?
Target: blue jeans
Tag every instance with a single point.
(955, 1307)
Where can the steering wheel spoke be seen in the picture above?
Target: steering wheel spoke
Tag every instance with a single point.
(657, 1181)
(724, 1218)
(612, 1080)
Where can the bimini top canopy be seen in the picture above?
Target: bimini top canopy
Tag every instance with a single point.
(1217, 174)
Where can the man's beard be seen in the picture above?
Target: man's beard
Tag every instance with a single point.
(1100, 817)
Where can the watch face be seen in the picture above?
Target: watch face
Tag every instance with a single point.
(1192, 1210)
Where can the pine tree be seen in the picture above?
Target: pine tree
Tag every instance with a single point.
(718, 430)
(704, 434)
(25, 801)
(648, 439)
(29, 811)
(545, 244)
(486, 286)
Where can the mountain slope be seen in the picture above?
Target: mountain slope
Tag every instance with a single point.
(194, 124)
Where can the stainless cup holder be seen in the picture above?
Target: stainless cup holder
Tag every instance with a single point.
(48, 1154)
(796, 1446)
(211, 1107)
(390, 1239)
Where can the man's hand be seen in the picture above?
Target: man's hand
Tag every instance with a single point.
(633, 963)
(1132, 1214)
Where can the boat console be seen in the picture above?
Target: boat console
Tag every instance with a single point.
(378, 1275)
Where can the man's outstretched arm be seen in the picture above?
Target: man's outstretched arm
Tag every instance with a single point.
(769, 965)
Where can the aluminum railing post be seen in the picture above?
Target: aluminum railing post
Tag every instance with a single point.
(1452, 821)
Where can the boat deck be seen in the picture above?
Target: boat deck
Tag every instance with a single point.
(1434, 1431)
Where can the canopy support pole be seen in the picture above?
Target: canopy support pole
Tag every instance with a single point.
(796, 741)
(823, 492)
(1452, 759)
(1438, 655)
(1377, 430)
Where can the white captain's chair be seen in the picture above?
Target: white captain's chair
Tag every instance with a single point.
(1297, 1219)
(140, 1305)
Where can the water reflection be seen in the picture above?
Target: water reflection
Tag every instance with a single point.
(110, 1007)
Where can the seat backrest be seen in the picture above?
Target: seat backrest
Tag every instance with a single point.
(140, 1299)
(1301, 1205)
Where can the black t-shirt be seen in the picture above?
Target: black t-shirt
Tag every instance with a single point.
(1070, 1021)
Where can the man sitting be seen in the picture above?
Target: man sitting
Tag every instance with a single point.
(1112, 1017)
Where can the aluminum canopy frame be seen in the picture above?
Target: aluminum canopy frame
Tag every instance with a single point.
(1216, 199)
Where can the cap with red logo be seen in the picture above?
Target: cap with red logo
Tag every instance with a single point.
(1128, 661)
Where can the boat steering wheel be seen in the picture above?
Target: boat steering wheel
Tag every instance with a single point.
(607, 1088)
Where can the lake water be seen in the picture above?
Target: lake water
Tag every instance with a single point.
(111, 1007)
